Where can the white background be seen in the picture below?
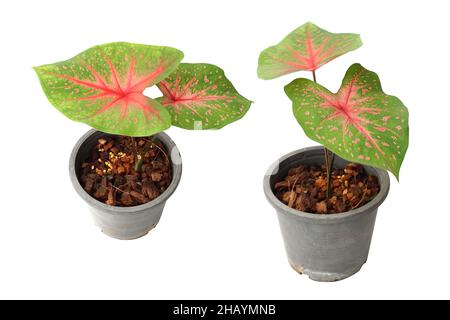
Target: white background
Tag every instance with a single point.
(218, 237)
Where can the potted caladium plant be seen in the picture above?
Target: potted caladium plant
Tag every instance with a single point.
(327, 197)
(126, 168)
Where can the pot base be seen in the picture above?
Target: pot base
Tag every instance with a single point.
(324, 276)
(129, 227)
(126, 238)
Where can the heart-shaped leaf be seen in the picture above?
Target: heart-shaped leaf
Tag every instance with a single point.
(359, 123)
(103, 87)
(199, 96)
(306, 48)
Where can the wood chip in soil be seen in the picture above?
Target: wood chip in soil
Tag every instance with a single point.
(305, 189)
(109, 173)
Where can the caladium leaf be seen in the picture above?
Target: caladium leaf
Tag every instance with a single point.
(199, 96)
(103, 87)
(306, 48)
(360, 123)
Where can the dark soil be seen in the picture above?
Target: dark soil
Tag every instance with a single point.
(124, 171)
(305, 189)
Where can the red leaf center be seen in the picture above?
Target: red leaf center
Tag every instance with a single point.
(120, 91)
(347, 105)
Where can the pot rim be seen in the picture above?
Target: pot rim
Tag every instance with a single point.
(176, 176)
(382, 175)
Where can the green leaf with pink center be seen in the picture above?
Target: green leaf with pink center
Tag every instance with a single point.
(306, 48)
(103, 87)
(199, 96)
(359, 123)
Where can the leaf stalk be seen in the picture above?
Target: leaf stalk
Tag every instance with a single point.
(328, 155)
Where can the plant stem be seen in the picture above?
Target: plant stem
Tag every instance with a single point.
(138, 159)
(328, 162)
(138, 165)
(329, 172)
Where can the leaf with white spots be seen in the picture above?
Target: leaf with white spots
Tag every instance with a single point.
(199, 96)
(306, 48)
(103, 87)
(359, 123)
